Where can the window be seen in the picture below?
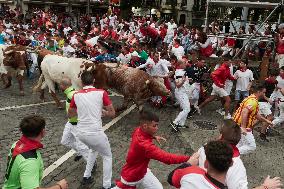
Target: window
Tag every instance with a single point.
(199, 5)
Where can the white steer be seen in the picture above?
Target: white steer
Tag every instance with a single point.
(55, 68)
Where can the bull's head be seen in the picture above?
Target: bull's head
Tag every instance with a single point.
(101, 76)
(157, 87)
(99, 71)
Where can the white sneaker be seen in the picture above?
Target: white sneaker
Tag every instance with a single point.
(228, 116)
(220, 111)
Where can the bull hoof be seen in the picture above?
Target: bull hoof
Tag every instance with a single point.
(22, 93)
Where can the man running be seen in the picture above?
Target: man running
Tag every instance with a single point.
(219, 77)
(245, 117)
(142, 149)
(91, 104)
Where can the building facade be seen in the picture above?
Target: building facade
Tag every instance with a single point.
(81, 6)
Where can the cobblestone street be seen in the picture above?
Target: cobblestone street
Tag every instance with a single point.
(268, 159)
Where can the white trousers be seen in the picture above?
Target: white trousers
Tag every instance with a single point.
(98, 143)
(247, 143)
(148, 182)
(183, 101)
(194, 93)
(70, 140)
(35, 63)
(280, 119)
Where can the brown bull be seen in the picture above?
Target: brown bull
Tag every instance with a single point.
(15, 62)
(135, 85)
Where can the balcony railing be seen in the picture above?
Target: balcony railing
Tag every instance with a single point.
(63, 1)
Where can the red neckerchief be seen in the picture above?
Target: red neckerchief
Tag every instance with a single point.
(271, 80)
(176, 45)
(243, 69)
(282, 76)
(236, 152)
(25, 144)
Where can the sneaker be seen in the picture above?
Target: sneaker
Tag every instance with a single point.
(228, 116)
(220, 111)
(87, 180)
(190, 114)
(263, 137)
(78, 157)
(174, 126)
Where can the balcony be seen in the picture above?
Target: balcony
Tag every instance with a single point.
(63, 2)
(7, 2)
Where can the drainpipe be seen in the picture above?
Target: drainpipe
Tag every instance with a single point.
(88, 7)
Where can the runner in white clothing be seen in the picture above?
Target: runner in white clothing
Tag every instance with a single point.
(90, 105)
(219, 159)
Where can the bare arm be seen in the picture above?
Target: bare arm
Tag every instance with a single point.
(274, 183)
(59, 185)
(72, 112)
(261, 118)
(108, 111)
(245, 113)
(249, 85)
(180, 83)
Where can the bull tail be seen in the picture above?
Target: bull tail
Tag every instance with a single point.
(39, 84)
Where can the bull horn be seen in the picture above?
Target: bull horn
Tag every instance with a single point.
(147, 82)
(8, 52)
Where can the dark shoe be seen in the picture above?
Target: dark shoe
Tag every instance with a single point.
(78, 157)
(94, 168)
(263, 137)
(190, 114)
(87, 180)
(174, 127)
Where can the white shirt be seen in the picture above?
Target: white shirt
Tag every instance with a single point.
(171, 28)
(89, 103)
(67, 51)
(280, 82)
(93, 41)
(243, 79)
(236, 177)
(25, 26)
(160, 69)
(148, 65)
(66, 30)
(179, 75)
(112, 20)
(124, 59)
(196, 181)
(73, 40)
(178, 52)
(8, 25)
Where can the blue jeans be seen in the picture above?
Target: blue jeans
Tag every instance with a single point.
(239, 94)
